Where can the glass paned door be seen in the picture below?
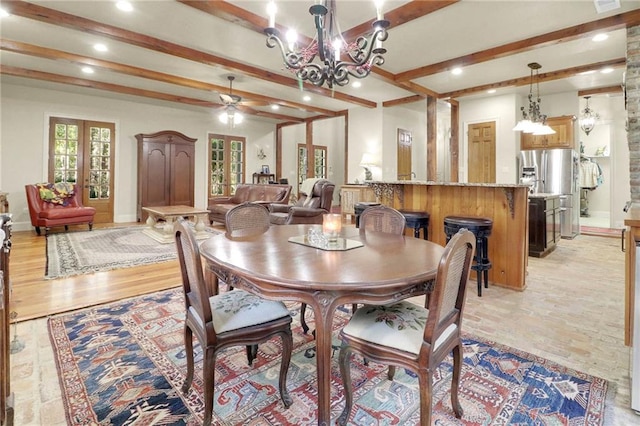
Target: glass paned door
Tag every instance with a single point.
(226, 165)
(82, 152)
(319, 162)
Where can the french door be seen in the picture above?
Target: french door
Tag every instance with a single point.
(226, 164)
(82, 152)
(319, 163)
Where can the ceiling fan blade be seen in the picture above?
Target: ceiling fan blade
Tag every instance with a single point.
(255, 103)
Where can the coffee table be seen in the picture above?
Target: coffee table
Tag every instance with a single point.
(168, 214)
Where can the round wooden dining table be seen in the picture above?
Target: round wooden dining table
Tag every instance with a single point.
(383, 269)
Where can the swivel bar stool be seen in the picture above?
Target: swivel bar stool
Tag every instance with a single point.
(481, 228)
(358, 208)
(417, 220)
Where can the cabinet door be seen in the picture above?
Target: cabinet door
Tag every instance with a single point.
(562, 138)
(155, 174)
(536, 226)
(182, 175)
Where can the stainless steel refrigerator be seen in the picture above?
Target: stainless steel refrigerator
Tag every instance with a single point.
(555, 171)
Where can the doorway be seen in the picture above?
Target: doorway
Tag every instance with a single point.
(226, 164)
(82, 152)
(405, 141)
(481, 161)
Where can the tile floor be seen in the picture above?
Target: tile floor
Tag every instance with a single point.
(571, 313)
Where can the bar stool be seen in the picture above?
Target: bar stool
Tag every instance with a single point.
(481, 228)
(417, 220)
(358, 208)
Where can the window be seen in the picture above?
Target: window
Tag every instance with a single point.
(226, 164)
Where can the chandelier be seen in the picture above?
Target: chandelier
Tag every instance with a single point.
(588, 118)
(337, 59)
(533, 121)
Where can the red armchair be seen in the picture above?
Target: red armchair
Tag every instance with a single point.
(47, 214)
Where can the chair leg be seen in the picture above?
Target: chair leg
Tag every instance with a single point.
(391, 372)
(208, 373)
(455, 381)
(90, 226)
(425, 382)
(287, 347)
(303, 310)
(252, 353)
(345, 372)
(188, 347)
(38, 230)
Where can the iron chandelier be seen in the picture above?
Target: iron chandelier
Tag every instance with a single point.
(533, 121)
(329, 47)
(588, 118)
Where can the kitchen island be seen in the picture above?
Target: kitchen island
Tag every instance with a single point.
(505, 204)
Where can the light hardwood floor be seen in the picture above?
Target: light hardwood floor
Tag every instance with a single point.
(571, 312)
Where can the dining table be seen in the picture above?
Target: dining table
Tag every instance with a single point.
(296, 263)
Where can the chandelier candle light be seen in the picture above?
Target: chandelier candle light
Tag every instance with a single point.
(533, 121)
(329, 47)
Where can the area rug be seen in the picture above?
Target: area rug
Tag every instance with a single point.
(600, 232)
(124, 363)
(75, 253)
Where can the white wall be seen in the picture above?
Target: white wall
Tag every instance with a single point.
(365, 135)
(502, 110)
(25, 112)
(415, 121)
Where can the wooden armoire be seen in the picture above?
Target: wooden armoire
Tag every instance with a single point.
(166, 170)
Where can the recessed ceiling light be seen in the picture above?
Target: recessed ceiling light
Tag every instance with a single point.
(124, 6)
(306, 98)
(490, 91)
(600, 37)
(3, 13)
(587, 72)
(606, 70)
(87, 70)
(456, 71)
(100, 47)
(356, 84)
(275, 107)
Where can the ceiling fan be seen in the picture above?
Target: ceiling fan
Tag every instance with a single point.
(230, 99)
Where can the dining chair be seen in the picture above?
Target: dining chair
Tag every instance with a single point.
(382, 219)
(414, 337)
(234, 318)
(247, 219)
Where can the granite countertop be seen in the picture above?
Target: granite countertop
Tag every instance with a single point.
(543, 195)
(433, 183)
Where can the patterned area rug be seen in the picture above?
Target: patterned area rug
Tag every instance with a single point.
(83, 252)
(124, 363)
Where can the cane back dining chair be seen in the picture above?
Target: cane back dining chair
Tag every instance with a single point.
(247, 219)
(234, 318)
(376, 218)
(411, 336)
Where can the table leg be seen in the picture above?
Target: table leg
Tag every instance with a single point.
(151, 220)
(324, 326)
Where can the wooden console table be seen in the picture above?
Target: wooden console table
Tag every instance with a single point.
(168, 214)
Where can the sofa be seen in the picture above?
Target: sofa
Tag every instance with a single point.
(311, 205)
(245, 192)
(61, 206)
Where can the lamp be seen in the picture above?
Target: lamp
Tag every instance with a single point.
(230, 116)
(533, 121)
(329, 46)
(366, 163)
(588, 118)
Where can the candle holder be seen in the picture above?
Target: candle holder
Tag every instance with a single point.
(331, 226)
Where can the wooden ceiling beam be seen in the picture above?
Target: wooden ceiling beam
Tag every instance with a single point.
(403, 101)
(561, 36)
(54, 17)
(549, 76)
(53, 54)
(601, 90)
(116, 88)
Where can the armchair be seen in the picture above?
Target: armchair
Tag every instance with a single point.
(68, 210)
(308, 208)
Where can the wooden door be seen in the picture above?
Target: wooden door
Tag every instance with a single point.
(83, 152)
(226, 164)
(182, 174)
(405, 141)
(482, 153)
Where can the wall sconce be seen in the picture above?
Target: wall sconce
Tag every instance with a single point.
(366, 163)
(261, 154)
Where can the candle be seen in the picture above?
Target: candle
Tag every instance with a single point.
(331, 225)
(379, 15)
(271, 12)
